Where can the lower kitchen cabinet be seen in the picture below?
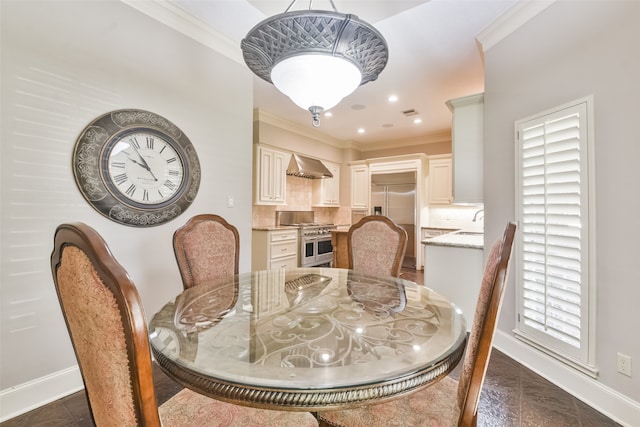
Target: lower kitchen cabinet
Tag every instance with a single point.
(340, 248)
(455, 273)
(274, 249)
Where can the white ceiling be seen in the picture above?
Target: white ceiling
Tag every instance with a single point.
(433, 57)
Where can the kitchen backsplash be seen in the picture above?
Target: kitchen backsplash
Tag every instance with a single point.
(299, 192)
(456, 216)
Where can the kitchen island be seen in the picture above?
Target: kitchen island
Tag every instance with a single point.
(453, 264)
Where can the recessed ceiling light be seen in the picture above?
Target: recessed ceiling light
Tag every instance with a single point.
(328, 114)
(361, 130)
(393, 98)
(417, 121)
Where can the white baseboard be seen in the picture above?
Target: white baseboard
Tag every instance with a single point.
(25, 397)
(611, 403)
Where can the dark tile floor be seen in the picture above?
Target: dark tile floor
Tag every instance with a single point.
(512, 395)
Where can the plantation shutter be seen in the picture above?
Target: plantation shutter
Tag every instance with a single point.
(553, 252)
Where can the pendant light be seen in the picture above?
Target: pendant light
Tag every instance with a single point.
(315, 57)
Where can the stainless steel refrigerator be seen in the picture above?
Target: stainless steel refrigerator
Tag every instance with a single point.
(394, 195)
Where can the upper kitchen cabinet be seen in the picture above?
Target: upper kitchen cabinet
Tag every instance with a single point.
(440, 185)
(326, 192)
(270, 176)
(360, 186)
(466, 133)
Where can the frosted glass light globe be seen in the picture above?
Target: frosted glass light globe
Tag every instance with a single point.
(316, 80)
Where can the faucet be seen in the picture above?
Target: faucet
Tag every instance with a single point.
(478, 212)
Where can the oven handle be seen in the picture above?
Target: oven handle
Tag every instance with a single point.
(317, 238)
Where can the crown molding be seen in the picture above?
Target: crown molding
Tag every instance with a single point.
(271, 119)
(441, 136)
(185, 23)
(476, 99)
(518, 15)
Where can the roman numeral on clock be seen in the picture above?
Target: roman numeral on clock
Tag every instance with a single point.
(120, 178)
(134, 142)
(131, 190)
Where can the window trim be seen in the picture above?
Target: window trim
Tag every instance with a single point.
(586, 362)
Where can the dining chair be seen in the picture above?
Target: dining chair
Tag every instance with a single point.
(376, 245)
(207, 248)
(107, 326)
(448, 402)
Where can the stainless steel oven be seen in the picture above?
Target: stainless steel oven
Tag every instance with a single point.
(315, 245)
(315, 239)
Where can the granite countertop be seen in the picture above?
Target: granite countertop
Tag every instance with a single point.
(458, 239)
(442, 229)
(273, 227)
(340, 228)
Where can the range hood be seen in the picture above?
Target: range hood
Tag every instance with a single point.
(306, 167)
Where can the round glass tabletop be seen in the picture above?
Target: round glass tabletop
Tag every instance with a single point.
(307, 338)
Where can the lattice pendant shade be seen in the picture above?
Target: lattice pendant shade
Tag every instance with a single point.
(296, 45)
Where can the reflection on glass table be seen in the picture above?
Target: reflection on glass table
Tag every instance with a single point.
(308, 339)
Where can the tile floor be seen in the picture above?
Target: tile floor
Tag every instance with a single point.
(512, 396)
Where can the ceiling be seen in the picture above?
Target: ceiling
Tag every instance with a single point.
(433, 57)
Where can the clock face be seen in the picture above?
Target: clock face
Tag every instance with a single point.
(136, 168)
(144, 168)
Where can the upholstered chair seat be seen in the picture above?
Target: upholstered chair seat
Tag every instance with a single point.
(447, 403)
(188, 408)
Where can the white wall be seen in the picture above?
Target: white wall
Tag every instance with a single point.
(570, 50)
(63, 64)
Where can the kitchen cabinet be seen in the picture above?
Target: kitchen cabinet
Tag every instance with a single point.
(274, 249)
(466, 134)
(443, 274)
(440, 177)
(360, 187)
(340, 248)
(270, 176)
(326, 192)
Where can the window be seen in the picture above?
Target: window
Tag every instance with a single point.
(554, 272)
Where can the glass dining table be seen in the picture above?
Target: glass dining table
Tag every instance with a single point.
(307, 339)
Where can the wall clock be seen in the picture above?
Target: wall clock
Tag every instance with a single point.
(136, 168)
